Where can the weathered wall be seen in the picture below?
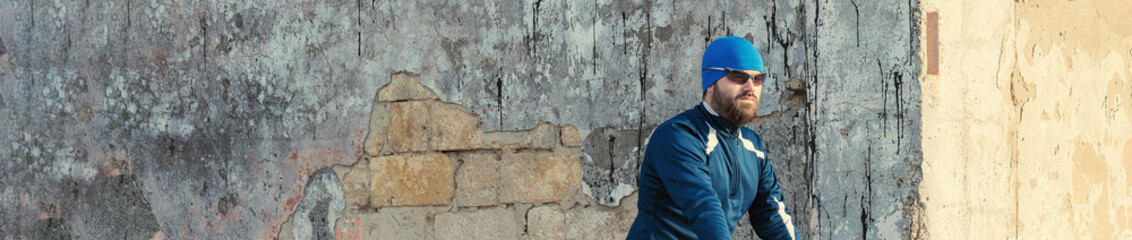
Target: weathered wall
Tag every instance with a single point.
(1026, 127)
(429, 171)
(224, 119)
(131, 119)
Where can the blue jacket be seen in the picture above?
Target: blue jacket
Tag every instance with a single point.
(700, 174)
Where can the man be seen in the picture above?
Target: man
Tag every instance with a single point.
(702, 170)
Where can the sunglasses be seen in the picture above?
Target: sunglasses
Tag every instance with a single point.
(739, 77)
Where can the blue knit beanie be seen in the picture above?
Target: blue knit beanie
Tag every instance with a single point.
(729, 52)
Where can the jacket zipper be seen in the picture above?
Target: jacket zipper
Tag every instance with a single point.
(732, 170)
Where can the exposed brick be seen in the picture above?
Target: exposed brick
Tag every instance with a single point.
(453, 128)
(408, 127)
(348, 227)
(377, 135)
(571, 137)
(502, 139)
(493, 223)
(538, 177)
(389, 223)
(404, 86)
(355, 184)
(596, 222)
(628, 208)
(478, 180)
(543, 136)
(546, 222)
(415, 180)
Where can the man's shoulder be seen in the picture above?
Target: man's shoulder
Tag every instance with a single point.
(683, 131)
(689, 122)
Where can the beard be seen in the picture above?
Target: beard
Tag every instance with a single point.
(735, 111)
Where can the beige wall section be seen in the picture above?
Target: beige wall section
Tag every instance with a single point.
(965, 124)
(1027, 129)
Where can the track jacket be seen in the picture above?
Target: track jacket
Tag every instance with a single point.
(700, 174)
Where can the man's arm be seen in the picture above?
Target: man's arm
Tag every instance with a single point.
(768, 214)
(681, 164)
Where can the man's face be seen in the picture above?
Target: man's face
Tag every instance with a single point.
(736, 96)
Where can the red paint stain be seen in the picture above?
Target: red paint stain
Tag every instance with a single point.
(306, 160)
(359, 142)
(291, 202)
(299, 164)
(350, 232)
(277, 220)
(274, 234)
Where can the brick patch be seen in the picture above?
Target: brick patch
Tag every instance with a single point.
(413, 180)
(538, 177)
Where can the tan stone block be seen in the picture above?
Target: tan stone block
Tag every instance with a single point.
(355, 184)
(543, 136)
(404, 86)
(546, 222)
(595, 222)
(389, 223)
(502, 139)
(453, 128)
(492, 223)
(538, 177)
(477, 180)
(414, 180)
(377, 134)
(628, 208)
(408, 127)
(571, 137)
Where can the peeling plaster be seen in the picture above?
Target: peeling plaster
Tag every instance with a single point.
(224, 109)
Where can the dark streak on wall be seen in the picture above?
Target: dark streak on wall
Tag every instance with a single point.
(209, 119)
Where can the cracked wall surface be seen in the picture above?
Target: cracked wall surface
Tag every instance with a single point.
(1026, 125)
(233, 119)
(430, 171)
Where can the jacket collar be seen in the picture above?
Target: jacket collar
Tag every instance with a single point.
(717, 122)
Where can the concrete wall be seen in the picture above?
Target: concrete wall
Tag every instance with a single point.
(1026, 126)
(233, 119)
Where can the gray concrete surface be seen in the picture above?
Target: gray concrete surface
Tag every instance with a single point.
(213, 115)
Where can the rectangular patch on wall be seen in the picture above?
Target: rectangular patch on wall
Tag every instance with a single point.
(932, 23)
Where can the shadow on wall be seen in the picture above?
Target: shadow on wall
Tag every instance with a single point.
(429, 170)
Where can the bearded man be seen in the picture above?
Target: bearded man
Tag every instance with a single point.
(702, 169)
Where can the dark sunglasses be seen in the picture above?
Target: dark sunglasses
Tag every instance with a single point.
(740, 77)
